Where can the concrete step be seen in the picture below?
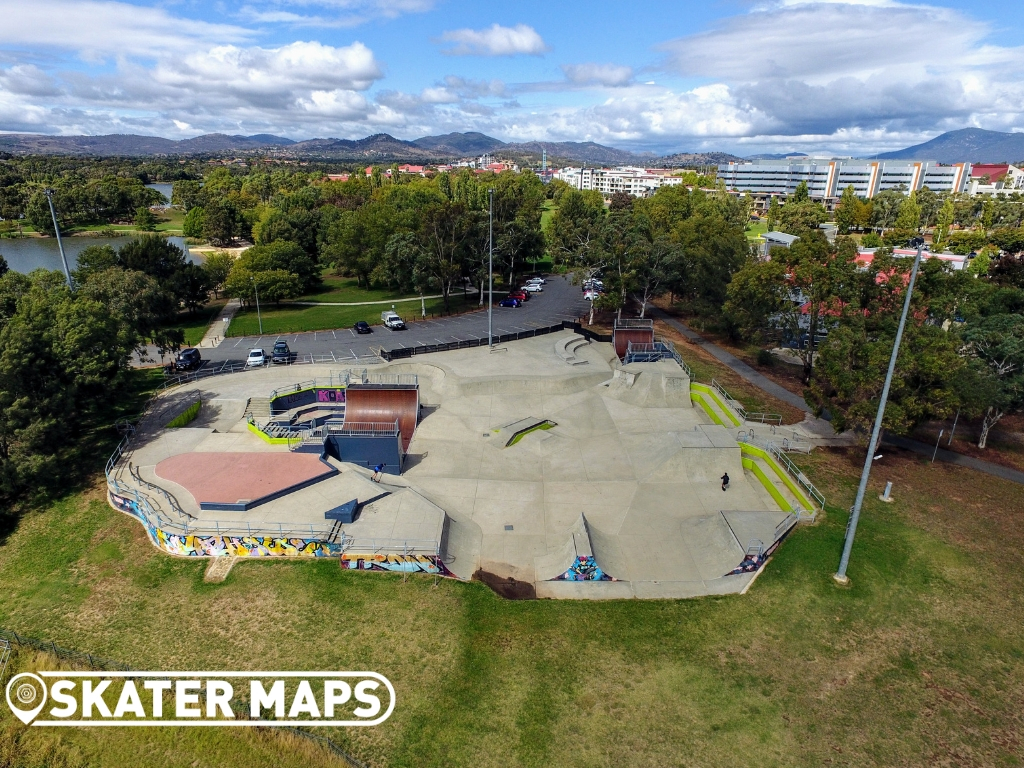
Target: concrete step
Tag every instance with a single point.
(258, 407)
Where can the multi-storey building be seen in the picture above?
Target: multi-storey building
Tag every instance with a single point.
(826, 178)
(638, 182)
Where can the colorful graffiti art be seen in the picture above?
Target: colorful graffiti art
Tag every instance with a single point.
(330, 395)
(394, 563)
(585, 568)
(214, 546)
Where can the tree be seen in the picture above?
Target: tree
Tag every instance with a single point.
(853, 360)
(998, 343)
(797, 217)
(655, 263)
(443, 234)
(217, 265)
(191, 286)
(152, 254)
(802, 193)
(271, 285)
(797, 292)
(92, 259)
(134, 298)
(62, 358)
(774, 209)
(909, 217)
(186, 194)
(286, 256)
(885, 207)
(219, 222)
(144, 219)
(846, 210)
(194, 222)
(943, 220)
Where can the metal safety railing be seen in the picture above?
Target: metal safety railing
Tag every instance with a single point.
(795, 472)
(736, 405)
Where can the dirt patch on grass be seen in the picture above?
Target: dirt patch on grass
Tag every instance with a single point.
(506, 586)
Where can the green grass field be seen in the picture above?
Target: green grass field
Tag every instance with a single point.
(195, 325)
(755, 229)
(346, 289)
(289, 318)
(917, 663)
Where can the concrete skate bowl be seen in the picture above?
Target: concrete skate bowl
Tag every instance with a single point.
(384, 404)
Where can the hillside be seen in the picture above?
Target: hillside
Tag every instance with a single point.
(124, 144)
(968, 145)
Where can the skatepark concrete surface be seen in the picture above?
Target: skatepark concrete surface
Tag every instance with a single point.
(629, 475)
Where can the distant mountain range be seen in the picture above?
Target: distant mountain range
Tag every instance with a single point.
(379, 148)
(968, 145)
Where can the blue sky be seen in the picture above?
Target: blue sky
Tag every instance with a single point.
(744, 77)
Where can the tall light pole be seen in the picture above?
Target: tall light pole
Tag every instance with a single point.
(256, 290)
(851, 529)
(490, 267)
(60, 245)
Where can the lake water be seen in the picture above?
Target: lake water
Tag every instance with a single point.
(24, 254)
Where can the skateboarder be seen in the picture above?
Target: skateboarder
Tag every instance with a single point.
(725, 481)
(377, 473)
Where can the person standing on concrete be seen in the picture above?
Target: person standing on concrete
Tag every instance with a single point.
(725, 481)
(377, 471)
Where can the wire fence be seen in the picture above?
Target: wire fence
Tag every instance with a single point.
(239, 707)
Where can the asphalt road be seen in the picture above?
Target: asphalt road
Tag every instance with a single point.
(559, 301)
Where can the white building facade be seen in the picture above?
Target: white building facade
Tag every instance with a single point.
(827, 178)
(638, 182)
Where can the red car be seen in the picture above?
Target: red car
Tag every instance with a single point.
(521, 295)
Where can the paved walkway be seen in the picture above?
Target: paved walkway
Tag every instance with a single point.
(818, 426)
(215, 333)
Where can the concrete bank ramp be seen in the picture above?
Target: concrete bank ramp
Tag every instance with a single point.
(460, 547)
(663, 384)
(577, 544)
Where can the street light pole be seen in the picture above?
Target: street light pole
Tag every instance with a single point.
(256, 290)
(490, 268)
(851, 529)
(56, 229)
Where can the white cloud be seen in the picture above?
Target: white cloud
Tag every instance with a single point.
(100, 29)
(611, 75)
(496, 40)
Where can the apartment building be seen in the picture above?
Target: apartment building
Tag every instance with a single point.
(826, 178)
(638, 182)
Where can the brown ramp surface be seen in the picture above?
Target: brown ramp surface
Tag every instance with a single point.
(384, 405)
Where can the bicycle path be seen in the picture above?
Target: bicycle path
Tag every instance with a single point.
(765, 384)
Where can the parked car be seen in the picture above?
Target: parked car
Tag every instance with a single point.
(521, 295)
(281, 353)
(363, 327)
(510, 302)
(592, 295)
(538, 279)
(188, 360)
(532, 288)
(392, 320)
(257, 358)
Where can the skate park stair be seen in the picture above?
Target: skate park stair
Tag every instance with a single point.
(714, 405)
(782, 480)
(259, 407)
(566, 349)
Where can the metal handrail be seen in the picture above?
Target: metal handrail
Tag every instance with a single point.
(137, 476)
(797, 475)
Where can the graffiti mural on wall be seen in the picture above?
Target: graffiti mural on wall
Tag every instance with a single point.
(585, 568)
(330, 395)
(395, 563)
(215, 546)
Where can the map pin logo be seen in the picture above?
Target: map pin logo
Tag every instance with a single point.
(24, 691)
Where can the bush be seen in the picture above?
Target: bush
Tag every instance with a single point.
(765, 358)
(871, 240)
